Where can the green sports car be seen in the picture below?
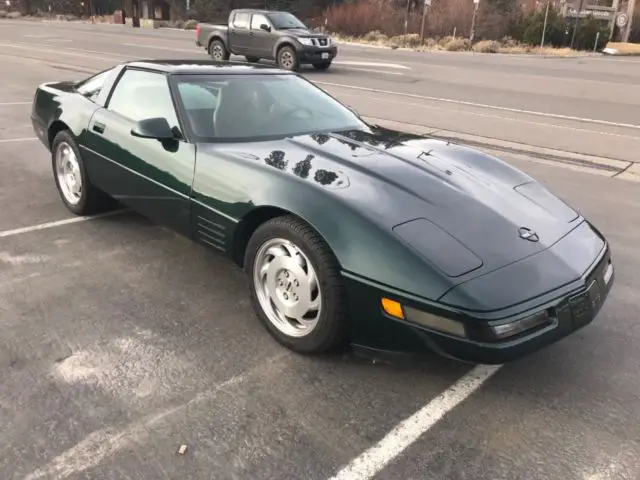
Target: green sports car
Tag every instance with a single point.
(349, 233)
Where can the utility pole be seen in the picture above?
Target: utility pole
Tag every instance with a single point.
(612, 24)
(544, 28)
(575, 24)
(427, 4)
(627, 31)
(473, 20)
(406, 20)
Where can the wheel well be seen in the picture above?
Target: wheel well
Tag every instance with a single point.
(213, 39)
(282, 45)
(55, 128)
(250, 224)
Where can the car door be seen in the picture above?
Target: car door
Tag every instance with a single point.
(239, 33)
(263, 41)
(150, 176)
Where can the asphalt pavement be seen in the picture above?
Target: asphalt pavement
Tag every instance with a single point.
(121, 341)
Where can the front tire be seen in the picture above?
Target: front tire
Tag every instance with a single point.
(287, 59)
(295, 286)
(72, 181)
(218, 51)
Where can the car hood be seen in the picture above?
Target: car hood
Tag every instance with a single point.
(461, 209)
(302, 32)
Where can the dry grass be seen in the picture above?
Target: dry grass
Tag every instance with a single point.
(625, 48)
(457, 44)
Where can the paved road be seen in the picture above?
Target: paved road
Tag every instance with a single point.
(588, 105)
(120, 341)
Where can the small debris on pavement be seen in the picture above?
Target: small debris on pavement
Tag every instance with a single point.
(182, 450)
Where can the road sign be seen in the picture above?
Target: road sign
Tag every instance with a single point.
(622, 19)
(427, 3)
(476, 2)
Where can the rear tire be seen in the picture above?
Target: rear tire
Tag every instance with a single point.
(70, 175)
(218, 51)
(294, 275)
(252, 59)
(322, 65)
(287, 59)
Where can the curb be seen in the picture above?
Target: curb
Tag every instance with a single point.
(600, 165)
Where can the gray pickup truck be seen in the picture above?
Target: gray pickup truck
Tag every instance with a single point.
(267, 34)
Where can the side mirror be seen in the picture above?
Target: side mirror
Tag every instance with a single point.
(265, 27)
(157, 128)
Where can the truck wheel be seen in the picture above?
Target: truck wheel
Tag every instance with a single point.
(322, 65)
(287, 59)
(252, 59)
(218, 51)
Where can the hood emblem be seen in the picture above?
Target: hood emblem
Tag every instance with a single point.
(528, 234)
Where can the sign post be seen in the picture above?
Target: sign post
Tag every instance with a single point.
(575, 24)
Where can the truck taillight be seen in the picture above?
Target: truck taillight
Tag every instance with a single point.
(197, 30)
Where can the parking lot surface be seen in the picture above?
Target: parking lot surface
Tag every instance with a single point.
(121, 341)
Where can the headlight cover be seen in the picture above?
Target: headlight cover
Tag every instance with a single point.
(305, 41)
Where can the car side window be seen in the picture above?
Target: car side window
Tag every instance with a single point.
(91, 87)
(139, 95)
(257, 20)
(241, 20)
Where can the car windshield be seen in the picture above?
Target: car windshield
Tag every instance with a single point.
(285, 20)
(259, 107)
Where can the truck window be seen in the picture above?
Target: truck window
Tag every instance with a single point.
(257, 20)
(285, 21)
(241, 20)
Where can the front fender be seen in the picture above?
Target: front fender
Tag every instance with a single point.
(286, 40)
(235, 184)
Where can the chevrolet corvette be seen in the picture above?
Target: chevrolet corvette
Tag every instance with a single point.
(349, 233)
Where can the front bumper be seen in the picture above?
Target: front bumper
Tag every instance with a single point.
(378, 334)
(310, 54)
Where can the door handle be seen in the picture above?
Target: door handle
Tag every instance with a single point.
(98, 127)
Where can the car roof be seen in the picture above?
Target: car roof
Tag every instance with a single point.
(211, 67)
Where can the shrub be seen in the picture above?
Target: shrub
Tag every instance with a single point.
(190, 25)
(375, 36)
(444, 40)
(528, 29)
(457, 44)
(588, 30)
(487, 46)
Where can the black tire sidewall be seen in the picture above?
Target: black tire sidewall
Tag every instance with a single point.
(296, 60)
(65, 136)
(332, 320)
(222, 46)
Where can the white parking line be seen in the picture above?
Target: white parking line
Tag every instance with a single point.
(373, 64)
(8, 140)
(370, 462)
(371, 70)
(8, 104)
(57, 223)
(159, 47)
(482, 105)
